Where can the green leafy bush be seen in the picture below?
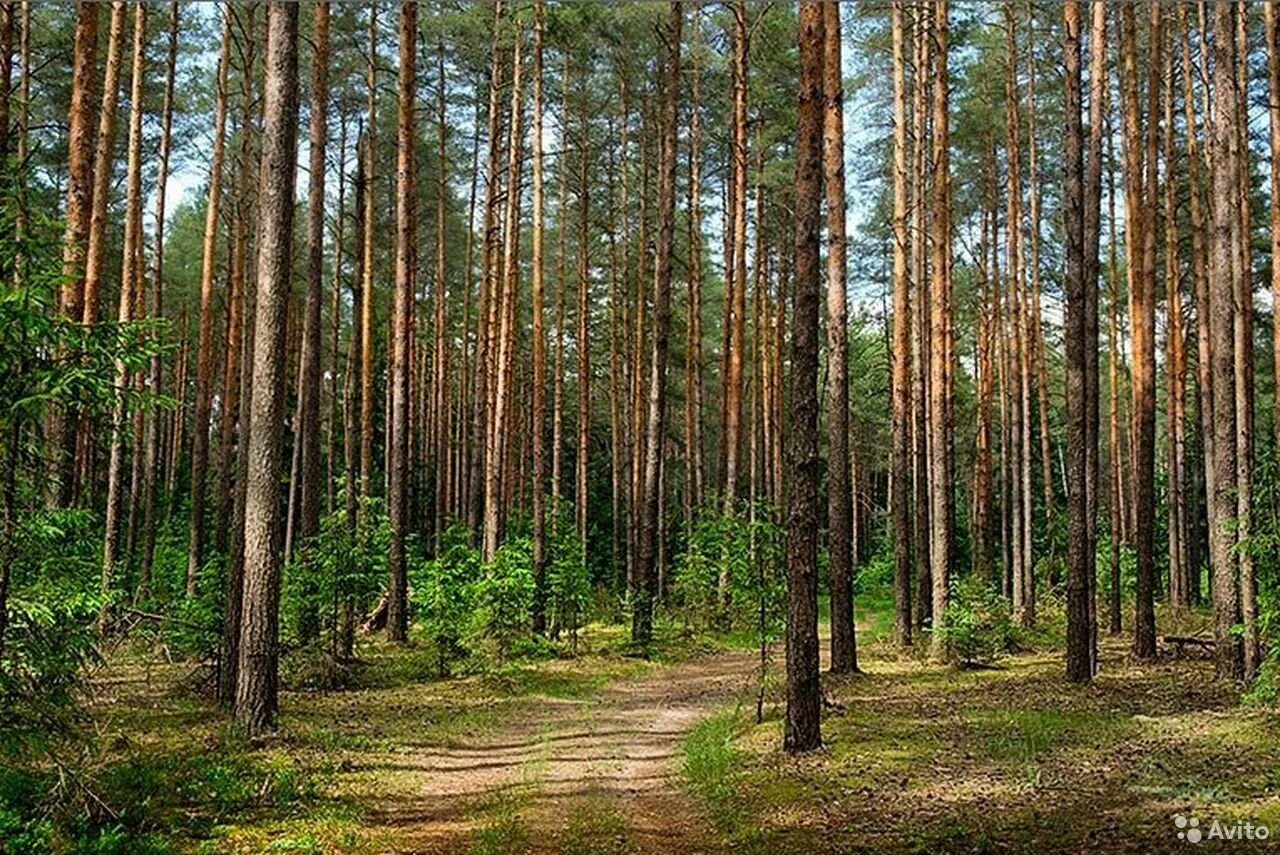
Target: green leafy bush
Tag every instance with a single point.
(442, 593)
(746, 549)
(503, 600)
(338, 565)
(569, 587)
(977, 627)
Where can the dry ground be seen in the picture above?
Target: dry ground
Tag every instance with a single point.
(601, 754)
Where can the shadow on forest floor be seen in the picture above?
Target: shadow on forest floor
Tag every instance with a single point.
(932, 759)
(602, 754)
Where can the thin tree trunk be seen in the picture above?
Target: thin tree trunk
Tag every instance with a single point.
(650, 534)
(155, 372)
(506, 298)
(736, 298)
(1244, 372)
(1223, 272)
(80, 188)
(1142, 296)
(844, 651)
(398, 455)
(941, 493)
(693, 349)
(335, 321)
(1204, 359)
(307, 417)
(366, 291)
(231, 439)
(583, 340)
(205, 346)
(130, 282)
(539, 342)
(1080, 561)
(1273, 114)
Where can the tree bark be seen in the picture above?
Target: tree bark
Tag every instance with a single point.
(941, 428)
(130, 282)
(155, 373)
(366, 290)
(80, 185)
(844, 651)
(204, 361)
(398, 457)
(540, 342)
(257, 681)
(1223, 272)
(736, 295)
(646, 576)
(804, 693)
(1079, 560)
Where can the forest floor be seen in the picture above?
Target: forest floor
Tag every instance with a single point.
(604, 754)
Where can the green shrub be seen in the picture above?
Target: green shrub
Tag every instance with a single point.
(569, 588)
(976, 627)
(336, 565)
(442, 593)
(746, 549)
(503, 600)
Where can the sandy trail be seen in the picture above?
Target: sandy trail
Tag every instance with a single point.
(616, 756)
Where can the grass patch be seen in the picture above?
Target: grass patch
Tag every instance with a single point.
(1025, 736)
(714, 773)
(502, 830)
(596, 829)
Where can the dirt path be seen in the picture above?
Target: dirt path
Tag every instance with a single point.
(608, 766)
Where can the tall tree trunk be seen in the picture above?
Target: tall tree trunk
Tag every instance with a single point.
(366, 290)
(130, 282)
(155, 371)
(440, 453)
(257, 682)
(1099, 86)
(1080, 561)
(80, 149)
(1175, 399)
(844, 651)
(1273, 114)
(484, 345)
(1115, 438)
(398, 456)
(335, 322)
(804, 694)
(1142, 298)
(308, 415)
(920, 317)
(736, 296)
(231, 438)
(539, 435)
(693, 349)
(205, 346)
(1223, 272)
(1023, 587)
(96, 254)
(1243, 346)
(504, 313)
(1039, 358)
(583, 340)
(1200, 261)
(941, 428)
(650, 534)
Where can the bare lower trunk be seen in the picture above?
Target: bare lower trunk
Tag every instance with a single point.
(804, 694)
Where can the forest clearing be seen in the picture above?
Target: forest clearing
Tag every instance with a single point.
(671, 426)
